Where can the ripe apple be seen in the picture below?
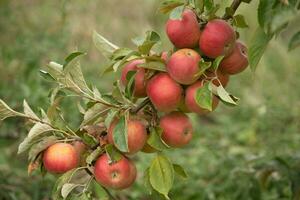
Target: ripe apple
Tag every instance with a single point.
(223, 77)
(191, 103)
(118, 175)
(164, 93)
(217, 39)
(183, 66)
(177, 129)
(185, 32)
(136, 135)
(60, 158)
(139, 82)
(237, 61)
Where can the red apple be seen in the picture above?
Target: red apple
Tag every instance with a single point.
(185, 32)
(60, 158)
(118, 175)
(217, 39)
(177, 129)
(183, 66)
(191, 103)
(164, 93)
(237, 61)
(140, 83)
(136, 132)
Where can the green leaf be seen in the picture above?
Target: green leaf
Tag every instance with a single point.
(161, 174)
(177, 13)
(199, 5)
(94, 155)
(154, 65)
(239, 21)
(224, 95)
(145, 43)
(203, 66)
(169, 5)
(129, 89)
(110, 117)
(155, 140)
(90, 140)
(72, 56)
(56, 192)
(6, 111)
(41, 146)
(216, 62)
(94, 114)
(113, 154)
(180, 171)
(120, 135)
(258, 46)
(294, 41)
(281, 19)
(204, 96)
(28, 111)
(35, 132)
(67, 189)
(265, 13)
(147, 183)
(103, 45)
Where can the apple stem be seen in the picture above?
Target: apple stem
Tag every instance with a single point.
(234, 6)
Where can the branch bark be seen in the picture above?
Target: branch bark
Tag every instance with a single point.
(140, 106)
(234, 6)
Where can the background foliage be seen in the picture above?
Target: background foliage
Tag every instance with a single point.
(234, 149)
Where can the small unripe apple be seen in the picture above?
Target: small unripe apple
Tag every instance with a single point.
(223, 77)
(217, 39)
(136, 135)
(60, 158)
(164, 93)
(118, 175)
(139, 81)
(184, 32)
(177, 129)
(191, 103)
(183, 66)
(237, 61)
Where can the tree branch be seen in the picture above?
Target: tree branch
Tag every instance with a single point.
(140, 106)
(234, 6)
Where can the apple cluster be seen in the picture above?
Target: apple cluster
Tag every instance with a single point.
(172, 93)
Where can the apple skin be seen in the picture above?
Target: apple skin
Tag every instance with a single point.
(237, 61)
(185, 32)
(191, 103)
(119, 175)
(164, 93)
(177, 129)
(183, 66)
(223, 77)
(217, 39)
(60, 158)
(140, 83)
(136, 132)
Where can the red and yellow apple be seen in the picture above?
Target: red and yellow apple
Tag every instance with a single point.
(177, 129)
(237, 61)
(217, 39)
(60, 158)
(118, 175)
(164, 93)
(183, 66)
(184, 32)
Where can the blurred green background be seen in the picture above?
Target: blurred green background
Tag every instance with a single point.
(232, 147)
